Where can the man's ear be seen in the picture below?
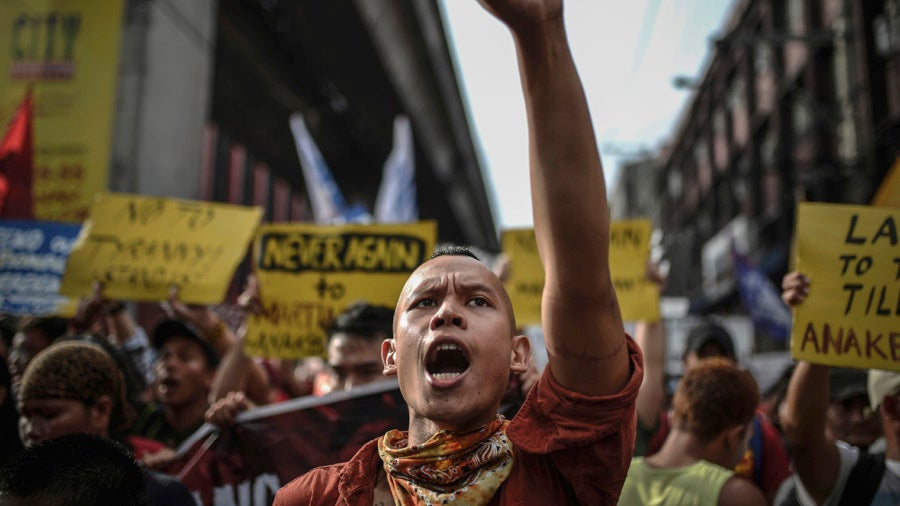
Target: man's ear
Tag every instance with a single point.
(389, 357)
(521, 354)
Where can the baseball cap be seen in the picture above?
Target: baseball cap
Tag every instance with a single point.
(706, 332)
(168, 329)
(882, 383)
(845, 383)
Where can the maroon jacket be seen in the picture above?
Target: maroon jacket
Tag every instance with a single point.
(569, 449)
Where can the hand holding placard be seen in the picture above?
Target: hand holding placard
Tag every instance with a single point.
(850, 317)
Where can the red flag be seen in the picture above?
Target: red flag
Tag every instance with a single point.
(16, 163)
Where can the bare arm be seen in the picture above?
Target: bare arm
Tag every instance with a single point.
(582, 323)
(816, 459)
(651, 337)
(741, 492)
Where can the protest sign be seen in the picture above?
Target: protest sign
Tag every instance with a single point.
(309, 273)
(629, 249)
(32, 261)
(852, 258)
(139, 246)
(67, 51)
(526, 276)
(271, 445)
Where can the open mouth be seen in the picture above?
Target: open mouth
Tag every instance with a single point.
(167, 385)
(446, 362)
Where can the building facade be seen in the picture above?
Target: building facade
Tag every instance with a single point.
(800, 102)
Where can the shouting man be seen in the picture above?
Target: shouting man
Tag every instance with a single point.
(454, 343)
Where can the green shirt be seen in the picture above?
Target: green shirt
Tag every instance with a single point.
(698, 484)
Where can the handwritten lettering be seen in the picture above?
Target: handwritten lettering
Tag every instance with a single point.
(883, 299)
(297, 252)
(145, 250)
(297, 315)
(847, 341)
(626, 237)
(143, 278)
(624, 284)
(886, 231)
(283, 343)
(533, 289)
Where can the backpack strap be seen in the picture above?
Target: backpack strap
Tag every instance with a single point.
(864, 479)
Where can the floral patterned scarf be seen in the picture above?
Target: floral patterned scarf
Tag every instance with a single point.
(448, 468)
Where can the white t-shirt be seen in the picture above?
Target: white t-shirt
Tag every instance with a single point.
(888, 490)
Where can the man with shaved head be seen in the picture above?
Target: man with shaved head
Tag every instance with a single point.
(454, 342)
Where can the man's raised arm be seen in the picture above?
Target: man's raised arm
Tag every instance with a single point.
(581, 318)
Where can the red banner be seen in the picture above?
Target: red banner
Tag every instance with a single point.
(271, 445)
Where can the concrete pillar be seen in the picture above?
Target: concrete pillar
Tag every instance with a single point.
(164, 89)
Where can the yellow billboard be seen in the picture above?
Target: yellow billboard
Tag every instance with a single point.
(309, 273)
(68, 52)
(851, 316)
(629, 250)
(139, 247)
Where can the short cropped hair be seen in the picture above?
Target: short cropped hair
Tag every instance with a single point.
(366, 320)
(713, 397)
(75, 470)
(455, 250)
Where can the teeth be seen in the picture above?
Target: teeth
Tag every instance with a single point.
(448, 346)
(443, 376)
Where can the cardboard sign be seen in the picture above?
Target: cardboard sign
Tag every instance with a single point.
(526, 276)
(68, 52)
(139, 246)
(308, 274)
(851, 317)
(32, 261)
(629, 249)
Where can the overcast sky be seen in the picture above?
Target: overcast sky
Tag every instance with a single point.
(627, 53)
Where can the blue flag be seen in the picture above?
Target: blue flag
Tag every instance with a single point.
(762, 300)
(328, 204)
(396, 201)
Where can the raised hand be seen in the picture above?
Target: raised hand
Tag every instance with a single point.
(795, 288)
(518, 14)
(200, 316)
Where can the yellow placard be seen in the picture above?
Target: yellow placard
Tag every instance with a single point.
(888, 193)
(629, 249)
(68, 51)
(526, 275)
(308, 274)
(851, 317)
(139, 246)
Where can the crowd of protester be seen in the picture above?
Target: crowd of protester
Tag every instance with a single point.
(99, 391)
